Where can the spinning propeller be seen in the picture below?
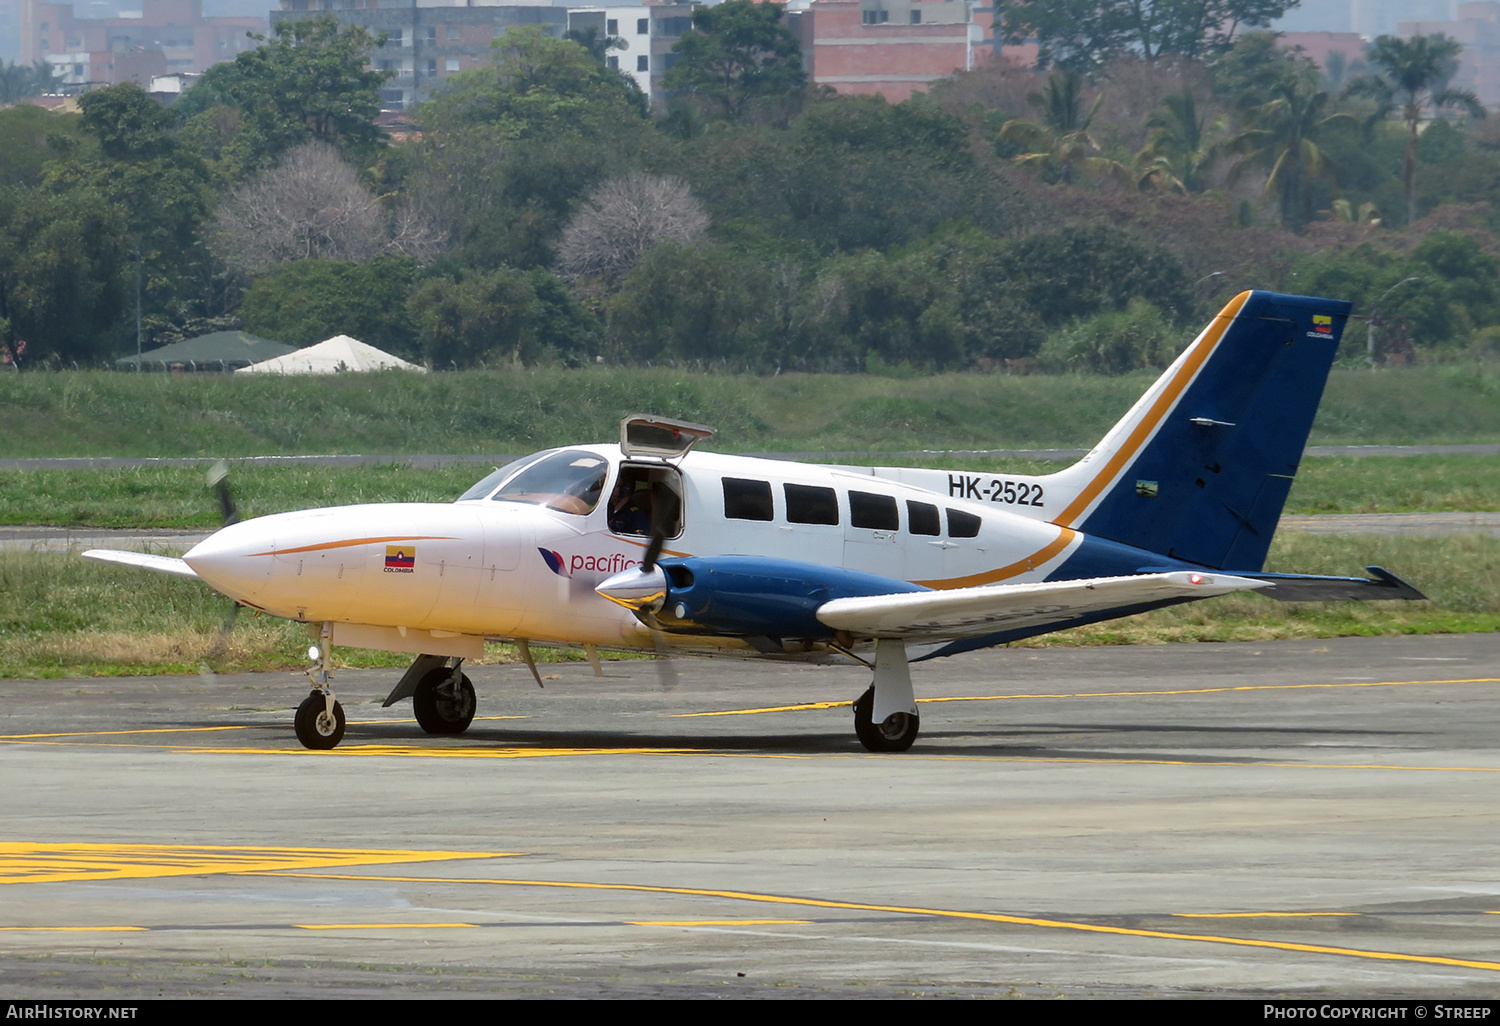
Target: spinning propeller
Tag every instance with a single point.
(218, 480)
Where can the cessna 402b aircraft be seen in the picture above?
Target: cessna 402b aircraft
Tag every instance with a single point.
(647, 545)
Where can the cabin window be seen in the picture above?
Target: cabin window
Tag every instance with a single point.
(922, 518)
(877, 512)
(809, 504)
(962, 525)
(747, 500)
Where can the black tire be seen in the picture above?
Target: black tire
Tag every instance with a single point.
(438, 708)
(315, 729)
(896, 734)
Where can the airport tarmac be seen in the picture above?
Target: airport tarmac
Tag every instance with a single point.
(1300, 819)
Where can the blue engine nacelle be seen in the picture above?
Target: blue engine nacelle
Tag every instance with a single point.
(744, 596)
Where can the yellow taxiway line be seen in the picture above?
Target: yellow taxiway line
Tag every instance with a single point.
(51, 863)
(25, 862)
(940, 913)
(1099, 694)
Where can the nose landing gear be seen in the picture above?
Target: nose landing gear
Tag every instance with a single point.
(320, 719)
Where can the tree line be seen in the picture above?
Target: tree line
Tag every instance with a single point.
(1084, 215)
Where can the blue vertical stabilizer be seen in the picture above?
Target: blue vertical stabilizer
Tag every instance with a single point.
(1199, 469)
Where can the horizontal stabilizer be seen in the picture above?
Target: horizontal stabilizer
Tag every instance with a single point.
(1383, 587)
(160, 564)
(974, 612)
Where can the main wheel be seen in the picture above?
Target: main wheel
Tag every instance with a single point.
(441, 707)
(895, 734)
(317, 729)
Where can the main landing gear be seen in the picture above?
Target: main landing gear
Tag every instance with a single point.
(442, 697)
(885, 716)
(444, 700)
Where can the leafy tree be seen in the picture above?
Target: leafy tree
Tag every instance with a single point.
(1087, 34)
(1087, 269)
(509, 150)
(868, 124)
(29, 137)
(1248, 73)
(1283, 137)
(535, 87)
(1421, 313)
(741, 52)
(1114, 342)
(128, 123)
(309, 80)
(1471, 274)
(505, 314)
(851, 173)
(63, 272)
(312, 300)
(1410, 76)
(160, 189)
(700, 305)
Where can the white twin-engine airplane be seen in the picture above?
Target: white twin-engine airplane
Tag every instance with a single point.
(649, 546)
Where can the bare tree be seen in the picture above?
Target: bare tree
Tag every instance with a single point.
(311, 205)
(622, 219)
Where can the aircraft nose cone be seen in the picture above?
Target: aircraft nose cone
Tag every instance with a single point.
(636, 589)
(235, 561)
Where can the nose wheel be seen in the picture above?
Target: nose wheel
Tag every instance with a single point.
(319, 722)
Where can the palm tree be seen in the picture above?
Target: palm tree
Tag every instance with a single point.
(1061, 142)
(596, 43)
(1176, 155)
(1412, 76)
(1282, 136)
(17, 81)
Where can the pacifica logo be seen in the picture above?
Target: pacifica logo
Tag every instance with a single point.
(566, 566)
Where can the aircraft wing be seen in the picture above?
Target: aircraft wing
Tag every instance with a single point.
(975, 612)
(161, 564)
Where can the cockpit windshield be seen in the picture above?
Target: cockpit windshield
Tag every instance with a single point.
(570, 481)
(482, 488)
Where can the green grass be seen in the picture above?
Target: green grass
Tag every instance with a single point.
(63, 617)
(100, 413)
(176, 496)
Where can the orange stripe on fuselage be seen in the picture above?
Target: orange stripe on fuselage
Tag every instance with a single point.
(1127, 452)
(1063, 540)
(323, 546)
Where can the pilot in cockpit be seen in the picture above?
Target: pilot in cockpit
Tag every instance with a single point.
(630, 505)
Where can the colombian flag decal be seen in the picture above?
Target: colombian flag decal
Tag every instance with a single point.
(1323, 324)
(400, 559)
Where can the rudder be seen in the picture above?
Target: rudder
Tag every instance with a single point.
(1200, 467)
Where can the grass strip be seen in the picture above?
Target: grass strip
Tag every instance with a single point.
(176, 496)
(102, 413)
